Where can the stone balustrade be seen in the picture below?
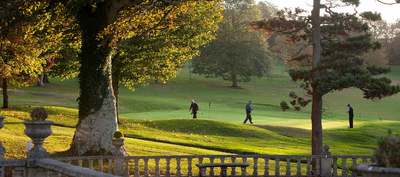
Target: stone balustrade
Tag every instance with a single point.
(260, 165)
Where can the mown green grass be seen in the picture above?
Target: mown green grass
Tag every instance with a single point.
(15, 141)
(173, 137)
(157, 117)
(219, 102)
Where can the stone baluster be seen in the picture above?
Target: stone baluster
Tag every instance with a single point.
(157, 160)
(80, 163)
(202, 172)
(90, 164)
(298, 167)
(212, 168)
(353, 166)
(146, 167)
(233, 159)
(168, 173)
(277, 167)
(344, 166)
(223, 170)
(127, 169)
(110, 165)
(2, 150)
(190, 173)
(178, 167)
(288, 172)
(101, 165)
(266, 166)
(243, 169)
(308, 170)
(136, 168)
(255, 166)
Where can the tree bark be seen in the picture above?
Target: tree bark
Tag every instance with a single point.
(115, 81)
(316, 114)
(40, 81)
(235, 82)
(316, 121)
(97, 104)
(4, 86)
(316, 110)
(46, 78)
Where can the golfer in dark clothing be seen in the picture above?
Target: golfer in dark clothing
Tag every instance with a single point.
(249, 108)
(194, 108)
(351, 115)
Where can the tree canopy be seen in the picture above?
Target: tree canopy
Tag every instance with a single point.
(108, 31)
(238, 52)
(105, 29)
(158, 53)
(30, 37)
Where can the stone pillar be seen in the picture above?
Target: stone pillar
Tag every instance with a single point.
(121, 168)
(326, 162)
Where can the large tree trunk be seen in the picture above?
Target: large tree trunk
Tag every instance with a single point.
(97, 107)
(40, 81)
(317, 96)
(235, 82)
(4, 86)
(46, 78)
(316, 115)
(316, 112)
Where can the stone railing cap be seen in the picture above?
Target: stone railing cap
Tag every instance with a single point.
(376, 169)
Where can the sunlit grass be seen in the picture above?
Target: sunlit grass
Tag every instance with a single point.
(158, 117)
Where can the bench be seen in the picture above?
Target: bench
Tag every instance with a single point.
(224, 166)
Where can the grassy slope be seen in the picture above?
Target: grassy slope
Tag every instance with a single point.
(160, 102)
(164, 109)
(13, 138)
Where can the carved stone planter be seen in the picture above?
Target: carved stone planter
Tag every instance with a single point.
(38, 131)
(119, 149)
(368, 170)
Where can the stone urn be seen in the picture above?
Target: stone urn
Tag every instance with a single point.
(38, 131)
(367, 170)
(1, 121)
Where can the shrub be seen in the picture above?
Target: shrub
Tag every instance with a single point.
(388, 154)
(284, 106)
(39, 114)
(118, 135)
